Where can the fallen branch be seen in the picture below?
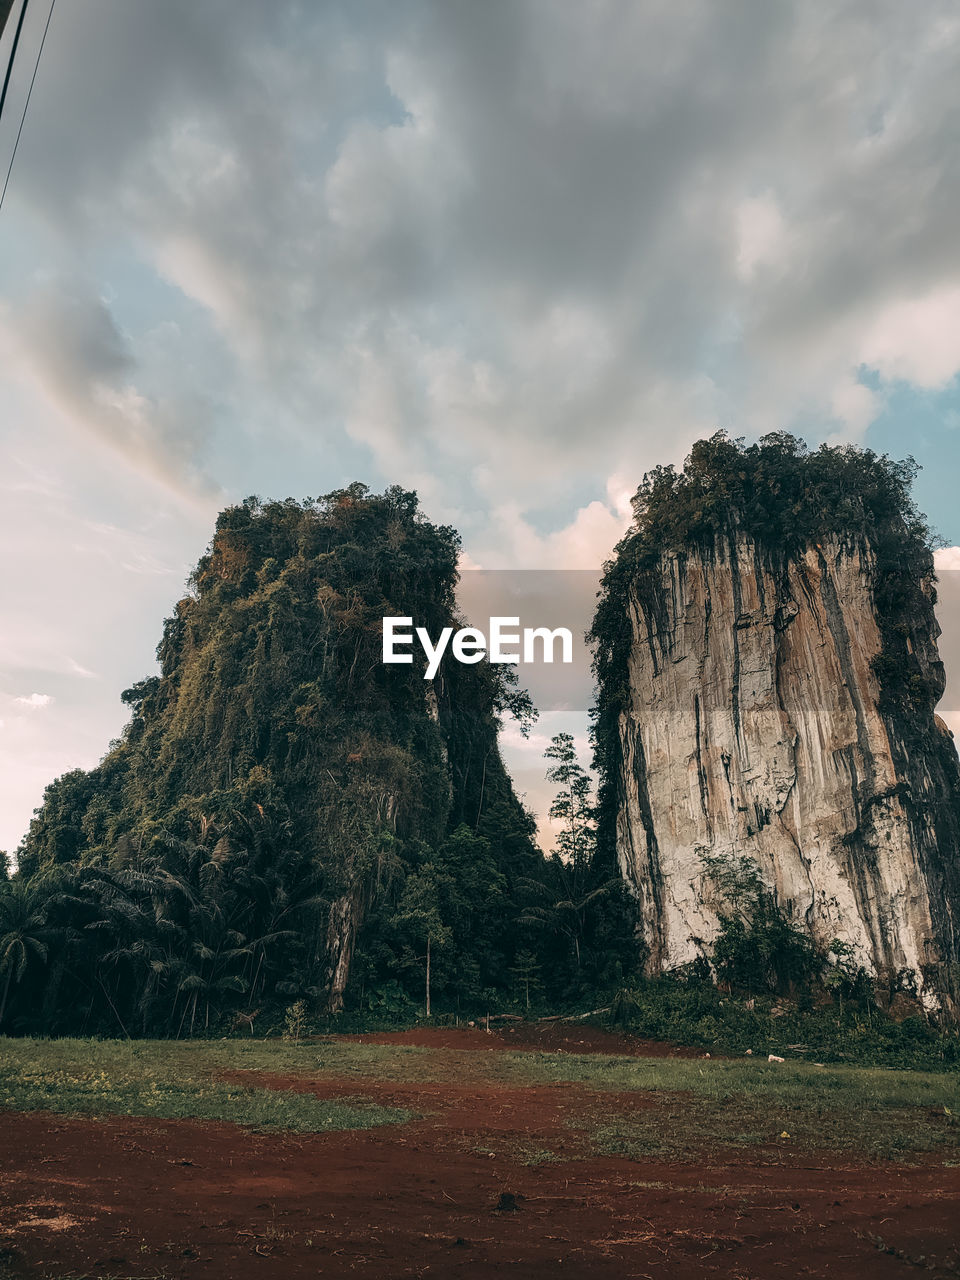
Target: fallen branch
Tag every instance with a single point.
(574, 1017)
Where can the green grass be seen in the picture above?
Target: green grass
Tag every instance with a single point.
(163, 1080)
(690, 1105)
(700, 1105)
(691, 1128)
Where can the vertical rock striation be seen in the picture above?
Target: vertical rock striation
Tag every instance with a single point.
(775, 702)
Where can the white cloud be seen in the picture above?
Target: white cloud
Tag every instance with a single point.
(854, 405)
(78, 669)
(917, 339)
(63, 342)
(35, 700)
(761, 235)
(585, 543)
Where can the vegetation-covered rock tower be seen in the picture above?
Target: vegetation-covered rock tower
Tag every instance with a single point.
(278, 788)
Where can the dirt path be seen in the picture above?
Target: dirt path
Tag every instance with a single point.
(145, 1198)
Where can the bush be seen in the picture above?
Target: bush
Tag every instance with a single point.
(295, 1022)
(685, 1011)
(765, 952)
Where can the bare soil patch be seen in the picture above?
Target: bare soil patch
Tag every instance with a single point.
(491, 1180)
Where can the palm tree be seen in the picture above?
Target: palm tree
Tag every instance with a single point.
(564, 904)
(24, 933)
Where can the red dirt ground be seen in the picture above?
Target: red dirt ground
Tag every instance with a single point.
(145, 1198)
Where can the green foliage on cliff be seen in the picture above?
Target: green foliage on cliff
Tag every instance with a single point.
(690, 1009)
(284, 811)
(758, 949)
(777, 491)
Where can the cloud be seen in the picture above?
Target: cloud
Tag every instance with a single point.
(762, 238)
(78, 669)
(65, 339)
(497, 252)
(853, 405)
(576, 237)
(917, 339)
(35, 701)
(585, 543)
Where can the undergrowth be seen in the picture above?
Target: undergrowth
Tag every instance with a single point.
(697, 1013)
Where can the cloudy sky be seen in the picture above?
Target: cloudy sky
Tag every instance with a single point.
(509, 253)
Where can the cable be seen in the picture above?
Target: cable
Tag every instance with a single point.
(13, 54)
(33, 80)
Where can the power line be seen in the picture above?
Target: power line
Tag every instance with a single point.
(33, 80)
(13, 54)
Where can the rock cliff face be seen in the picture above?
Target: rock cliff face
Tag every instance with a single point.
(768, 672)
(754, 728)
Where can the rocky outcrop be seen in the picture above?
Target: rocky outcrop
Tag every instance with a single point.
(754, 725)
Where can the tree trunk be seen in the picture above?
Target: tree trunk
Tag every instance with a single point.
(6, 992)
(343, 923)
(428, 975)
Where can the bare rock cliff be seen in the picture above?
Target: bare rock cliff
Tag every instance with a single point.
(753, 723)
(753, 727)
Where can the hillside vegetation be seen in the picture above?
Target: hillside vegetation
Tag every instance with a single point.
(286, 821)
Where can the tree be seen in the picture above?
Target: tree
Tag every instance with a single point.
(757, 948)
(419, 910)
(573, 804)
(24, 934)
(526, 970)
(563, 900)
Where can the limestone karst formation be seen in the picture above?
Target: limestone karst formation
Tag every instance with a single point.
(768, 671)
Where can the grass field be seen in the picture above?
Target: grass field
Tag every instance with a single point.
(168, 1080)
(453, 1152)
(696, 1102)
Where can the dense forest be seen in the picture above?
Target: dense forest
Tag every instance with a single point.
(286, 821)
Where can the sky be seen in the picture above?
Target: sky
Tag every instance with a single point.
(509, 254)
